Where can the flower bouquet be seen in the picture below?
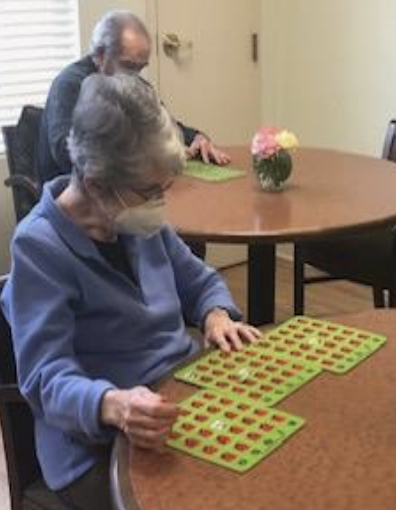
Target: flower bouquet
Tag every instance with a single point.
(272, 161)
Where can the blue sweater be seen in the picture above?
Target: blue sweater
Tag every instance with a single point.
(81, 327)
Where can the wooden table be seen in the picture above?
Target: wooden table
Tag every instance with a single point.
(344, 458)
(329, 193)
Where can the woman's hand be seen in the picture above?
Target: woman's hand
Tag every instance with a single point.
(145, 417)
(221, 330)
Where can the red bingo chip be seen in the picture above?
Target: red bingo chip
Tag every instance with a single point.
(224, 439)
(205, 433)
(229, 457)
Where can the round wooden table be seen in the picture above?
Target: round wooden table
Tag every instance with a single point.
(329, 193)
(344, 458)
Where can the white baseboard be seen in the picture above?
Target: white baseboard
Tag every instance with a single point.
(285, 251)
(221, 256)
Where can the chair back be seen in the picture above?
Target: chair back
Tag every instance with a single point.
(21, 143)
(16, 422)
(389, 150)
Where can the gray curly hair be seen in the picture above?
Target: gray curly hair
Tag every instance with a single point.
(121, 133)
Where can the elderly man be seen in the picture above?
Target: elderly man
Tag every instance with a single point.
(120, 43)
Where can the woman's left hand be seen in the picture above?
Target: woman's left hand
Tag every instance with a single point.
(221, 330)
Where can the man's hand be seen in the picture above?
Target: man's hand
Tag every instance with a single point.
(145, 417)
(227, 334)
(203, 147)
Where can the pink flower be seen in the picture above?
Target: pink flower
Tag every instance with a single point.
(264, 143)
(269, 140)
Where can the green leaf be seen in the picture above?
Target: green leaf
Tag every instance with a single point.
(278, 167)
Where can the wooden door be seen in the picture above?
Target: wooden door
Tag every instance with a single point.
(207, 70)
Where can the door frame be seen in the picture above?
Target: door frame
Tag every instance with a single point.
(152, 25)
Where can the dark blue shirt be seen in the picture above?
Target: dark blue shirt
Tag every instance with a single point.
(52, 155)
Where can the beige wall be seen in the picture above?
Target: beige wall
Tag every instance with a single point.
(330, 70)
(6, 218)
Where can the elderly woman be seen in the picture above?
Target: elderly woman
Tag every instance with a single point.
(100, 290)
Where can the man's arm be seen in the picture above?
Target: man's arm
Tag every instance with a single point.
(189, 133)
(60, 106)
(201, 146)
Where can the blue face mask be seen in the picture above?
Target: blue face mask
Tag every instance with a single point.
(129, 67)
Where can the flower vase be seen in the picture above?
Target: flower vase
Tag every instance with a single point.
(274, 171)
(269, 184)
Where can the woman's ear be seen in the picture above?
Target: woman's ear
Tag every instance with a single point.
(94, 188)
(101, 195)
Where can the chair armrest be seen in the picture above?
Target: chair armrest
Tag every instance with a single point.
(120, 485)
(3, 279)
(10, 394)
(24, 182)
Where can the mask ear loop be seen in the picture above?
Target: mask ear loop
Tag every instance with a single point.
(120, 199)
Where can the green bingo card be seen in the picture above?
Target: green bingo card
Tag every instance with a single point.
(326, 344)
(254, 373)
(229, 431)
(211, 172)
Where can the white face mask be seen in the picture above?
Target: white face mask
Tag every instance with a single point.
(144, 220)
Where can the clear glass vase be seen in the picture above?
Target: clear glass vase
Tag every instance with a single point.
(273, 172)
(267, 183)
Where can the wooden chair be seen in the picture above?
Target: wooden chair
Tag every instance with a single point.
(28, 490)
(21, 144)
(368, 259)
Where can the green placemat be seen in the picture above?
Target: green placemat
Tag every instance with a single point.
(254, 374)
(230, 432)
(210, 172)
(331, 346)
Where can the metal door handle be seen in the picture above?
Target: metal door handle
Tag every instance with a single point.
(172, 44)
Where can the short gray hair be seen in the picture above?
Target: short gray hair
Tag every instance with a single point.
(121, 133)
(107, 33)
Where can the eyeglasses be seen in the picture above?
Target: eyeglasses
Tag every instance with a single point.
(131, 67)
(150, 193)
(153, 192)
